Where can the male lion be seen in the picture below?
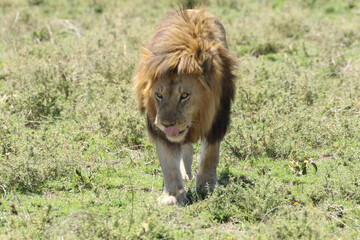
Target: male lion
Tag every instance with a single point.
(184, 83)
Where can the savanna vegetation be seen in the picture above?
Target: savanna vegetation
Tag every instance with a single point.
(75, 162)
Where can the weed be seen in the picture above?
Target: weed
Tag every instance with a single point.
(264, 49)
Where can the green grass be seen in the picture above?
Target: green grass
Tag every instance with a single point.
(75, 162)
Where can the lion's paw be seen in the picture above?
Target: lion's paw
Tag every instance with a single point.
(204, 184)
(167, 200)
(172, 200)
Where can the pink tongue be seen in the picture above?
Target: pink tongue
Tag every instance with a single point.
(171, 130)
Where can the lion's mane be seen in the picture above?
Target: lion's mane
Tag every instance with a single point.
(182, 44)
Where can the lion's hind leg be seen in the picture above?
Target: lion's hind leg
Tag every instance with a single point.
(186, 161)
(170, 155)
(209, 159)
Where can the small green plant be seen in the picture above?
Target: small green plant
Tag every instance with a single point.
(35, 2)
(265, 49)
(83, 180)
(300, 167)
(192, 3)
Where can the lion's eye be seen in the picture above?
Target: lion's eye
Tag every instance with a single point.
(159, 96)
(184, 96)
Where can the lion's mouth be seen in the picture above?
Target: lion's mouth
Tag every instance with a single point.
(173, 131)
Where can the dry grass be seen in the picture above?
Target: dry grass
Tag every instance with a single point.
(75, 162)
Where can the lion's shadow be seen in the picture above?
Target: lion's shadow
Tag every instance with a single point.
(225, 178)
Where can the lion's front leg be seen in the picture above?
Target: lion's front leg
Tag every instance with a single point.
(209, 159)
(170, 155)
(186, 161)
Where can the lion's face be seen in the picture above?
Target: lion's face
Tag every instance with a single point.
(176, 100)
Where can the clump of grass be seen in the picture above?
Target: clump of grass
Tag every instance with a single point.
(265, 49)
(291, 27)
(28, 162)
(190, 4)
(237, 203)
(35, 2)
(126, 129)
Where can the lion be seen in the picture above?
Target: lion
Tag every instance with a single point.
(184, 83)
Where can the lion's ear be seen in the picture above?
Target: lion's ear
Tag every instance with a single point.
(205, 60)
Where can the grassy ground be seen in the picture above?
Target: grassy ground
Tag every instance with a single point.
(75, 162)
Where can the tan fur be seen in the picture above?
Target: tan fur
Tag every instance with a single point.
(181, 44)
(187, 54)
